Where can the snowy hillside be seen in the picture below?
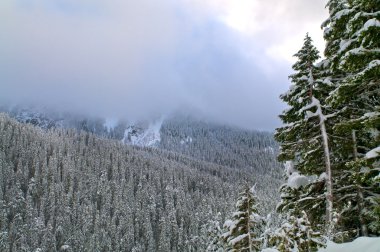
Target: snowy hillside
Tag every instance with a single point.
(37, 117)
(125, 198)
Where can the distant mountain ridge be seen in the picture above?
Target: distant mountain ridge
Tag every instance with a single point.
(219, 144)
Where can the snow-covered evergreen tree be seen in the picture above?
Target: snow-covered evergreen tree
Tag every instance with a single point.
(214, 233)
(293, 135)
(304, 140)
(353, 47)
(335, 33)
(344, 103)
(244, 229)
(296, 234)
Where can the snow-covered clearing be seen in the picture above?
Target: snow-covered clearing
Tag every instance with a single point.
(361, 244)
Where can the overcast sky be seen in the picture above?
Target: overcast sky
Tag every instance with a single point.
(228, 60)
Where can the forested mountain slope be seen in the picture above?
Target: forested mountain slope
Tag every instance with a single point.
(249, 150)
(67, 191)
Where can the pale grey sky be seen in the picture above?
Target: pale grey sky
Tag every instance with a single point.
(226, 59)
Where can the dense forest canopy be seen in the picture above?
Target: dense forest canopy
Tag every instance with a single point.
(64, 190)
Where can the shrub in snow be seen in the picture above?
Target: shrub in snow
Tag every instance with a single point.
(214, 233)
(296, 234)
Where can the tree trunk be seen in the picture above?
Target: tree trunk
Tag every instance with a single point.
(363, 226)
(329, 193)
(248, 222)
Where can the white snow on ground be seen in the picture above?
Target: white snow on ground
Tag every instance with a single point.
(361, 244)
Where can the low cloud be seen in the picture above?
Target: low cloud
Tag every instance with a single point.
(136, 59)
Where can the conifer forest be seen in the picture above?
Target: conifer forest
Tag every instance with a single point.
(180, 182)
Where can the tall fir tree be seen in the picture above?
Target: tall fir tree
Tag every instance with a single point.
(353, 48)
(293, 136)
(304, 139)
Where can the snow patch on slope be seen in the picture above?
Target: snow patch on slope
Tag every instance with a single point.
(144, 137)
(36, 117)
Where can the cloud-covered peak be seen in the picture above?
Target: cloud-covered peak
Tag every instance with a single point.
(144, 58)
